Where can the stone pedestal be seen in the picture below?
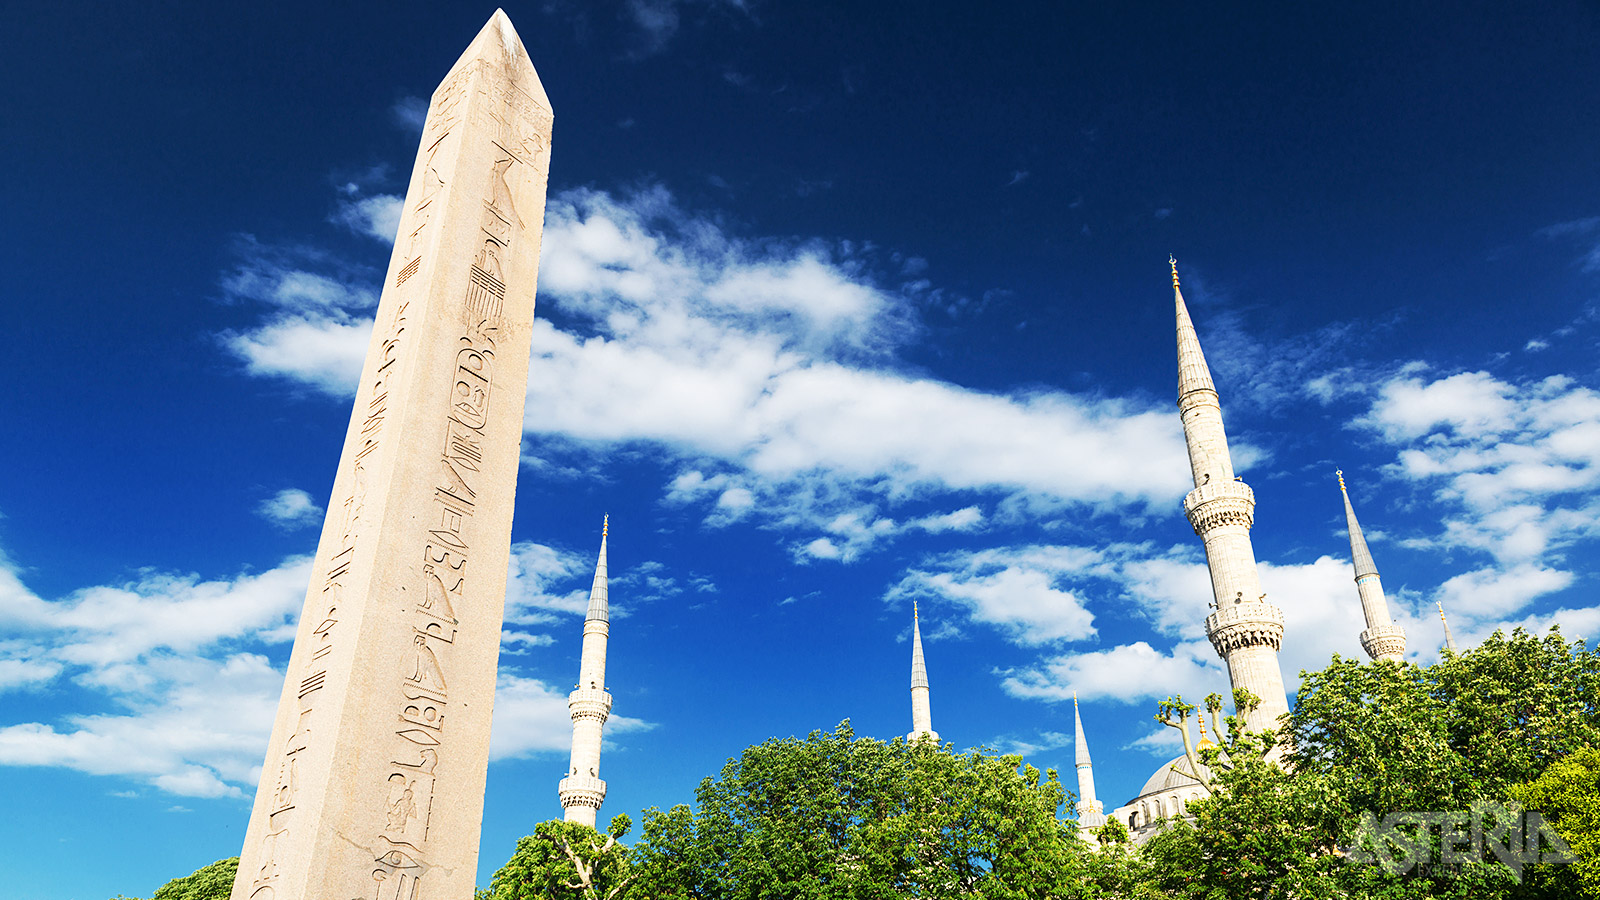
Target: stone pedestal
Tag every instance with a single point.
(374, 776)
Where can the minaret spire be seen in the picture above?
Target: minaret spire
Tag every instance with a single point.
(582, 791)
(1091, 814)
(1449, 642)
(1245, 629)
(1383, 639)
(921, 711)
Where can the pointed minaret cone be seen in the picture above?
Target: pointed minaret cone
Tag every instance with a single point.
(921, 710)
(582, 791)
(1193, 373)
(1383, 640)
(372, 783)
(1449, 642)
(1245, 629)
(1091, 814)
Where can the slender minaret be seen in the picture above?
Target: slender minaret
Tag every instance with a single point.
(1383, 639)
(1449, 642)
(1245, 629)
(921, 712)
(1091, 814)
(582, 791)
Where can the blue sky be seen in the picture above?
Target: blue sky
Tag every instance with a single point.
(839, 309)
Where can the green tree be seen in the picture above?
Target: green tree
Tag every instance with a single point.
(566, 860)
(212, 882)
(1568, 794)
(1518, 704)
(834, 815)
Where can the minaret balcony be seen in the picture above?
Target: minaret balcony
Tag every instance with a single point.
(1245, 625)
(1206, 493)
(582, 790)
(589, 702)
(1220, 503)
(1384, 640)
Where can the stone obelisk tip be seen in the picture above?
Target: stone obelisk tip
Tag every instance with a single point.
(498, 42)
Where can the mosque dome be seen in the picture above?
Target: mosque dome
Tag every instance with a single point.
(1168, 778)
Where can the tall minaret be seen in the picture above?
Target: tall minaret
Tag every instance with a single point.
(582, 791)
(921, 712)
(1383, 639)
(1091, 814)
(1245, 629)
(1449, 642)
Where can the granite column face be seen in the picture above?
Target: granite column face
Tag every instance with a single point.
(374, 775)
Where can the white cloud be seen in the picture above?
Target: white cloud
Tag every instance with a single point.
(1491, 593)
(290, 508)
(410, 113)
(766, 367)
(1015, 590)
(193, 726)
(110, 624)
(298, 279)
(965, 519)
(190, 701)
(1516, 465)
(30, 669)
(532, 593)
(376, 216)
(531, 717)
(323, 353)
(1129, 673)
(1025, 746)
(1163, 742)
(516, 643)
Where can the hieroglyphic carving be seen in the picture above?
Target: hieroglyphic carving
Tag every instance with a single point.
(519, 121)
(441, 585)
(393, 644)
(315, 667)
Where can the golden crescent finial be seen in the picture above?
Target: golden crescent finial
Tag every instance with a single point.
(1174, 262)
(1441, 609)
(913, 610)
(1339, 473)
(606, 525)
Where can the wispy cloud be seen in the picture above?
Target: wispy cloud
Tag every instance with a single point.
(376, 216)
(290, 508)
(770, 369)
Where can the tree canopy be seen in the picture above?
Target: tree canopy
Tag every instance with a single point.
(1387, 780)
(835, 815)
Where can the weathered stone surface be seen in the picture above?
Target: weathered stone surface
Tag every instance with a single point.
(374, 775)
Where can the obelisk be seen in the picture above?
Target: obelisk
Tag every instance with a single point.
(374, 776)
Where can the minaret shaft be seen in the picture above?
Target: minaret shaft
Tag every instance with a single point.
(1245, 629)
(1091, 813)
(921, 708)
(582, 791)
(1382, 639)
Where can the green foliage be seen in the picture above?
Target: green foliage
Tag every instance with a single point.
(1112, 832)
(212, 882)
(834, 815)
(1568, 794)
(566, 860)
